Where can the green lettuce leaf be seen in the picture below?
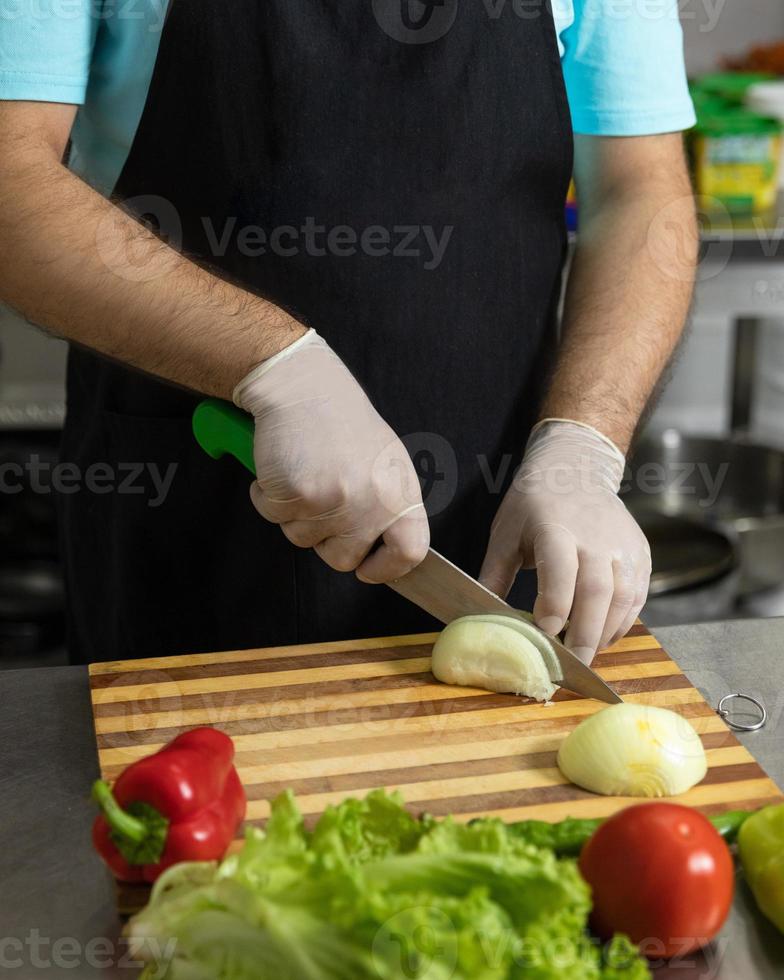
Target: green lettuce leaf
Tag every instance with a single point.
(373, 893)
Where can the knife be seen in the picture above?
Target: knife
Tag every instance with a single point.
(446, 592)
(436, 585)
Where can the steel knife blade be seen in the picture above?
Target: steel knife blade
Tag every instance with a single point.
(446, 592)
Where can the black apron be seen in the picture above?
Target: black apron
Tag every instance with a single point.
(381, 119)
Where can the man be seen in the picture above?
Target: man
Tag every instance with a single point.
(353, 225)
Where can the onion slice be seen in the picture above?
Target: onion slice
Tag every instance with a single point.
(497, 653)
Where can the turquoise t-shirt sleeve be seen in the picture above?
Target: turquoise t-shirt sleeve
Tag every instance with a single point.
(624, 68)
(45, 49)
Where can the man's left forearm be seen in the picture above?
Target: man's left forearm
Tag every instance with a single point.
(627, 300)
(630, 285)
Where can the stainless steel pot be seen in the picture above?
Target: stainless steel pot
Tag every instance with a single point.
(695, 571)
(733, 486)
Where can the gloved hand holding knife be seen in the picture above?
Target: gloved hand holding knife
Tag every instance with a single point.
(342, 484)
(340, 494)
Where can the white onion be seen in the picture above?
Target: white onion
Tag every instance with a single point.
(634, 750)
(496, 653)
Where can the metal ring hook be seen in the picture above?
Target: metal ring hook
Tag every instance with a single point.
(724, 713)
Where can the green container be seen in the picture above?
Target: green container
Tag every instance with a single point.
(731, 86)
(718, 121)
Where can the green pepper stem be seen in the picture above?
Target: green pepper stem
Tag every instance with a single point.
(120, 821)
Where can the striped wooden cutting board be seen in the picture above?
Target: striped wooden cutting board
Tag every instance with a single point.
(332, 720)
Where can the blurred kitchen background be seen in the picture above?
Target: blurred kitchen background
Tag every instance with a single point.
(707, 476)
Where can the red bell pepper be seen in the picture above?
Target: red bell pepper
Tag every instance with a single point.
(184, 803)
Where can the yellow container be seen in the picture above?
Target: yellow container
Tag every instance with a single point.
(737, 159)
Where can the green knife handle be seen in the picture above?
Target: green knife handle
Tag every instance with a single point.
(222, 429)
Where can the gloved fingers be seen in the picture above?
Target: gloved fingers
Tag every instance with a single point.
(308, 503)
(403, 546)
(555, 555)
(640, 596)
(627, 623)
(275, 511)
(394, 482)
(344, 553)
(624, 594)
(592, 597)
(502, 562)
(307, 534)
(301, 533)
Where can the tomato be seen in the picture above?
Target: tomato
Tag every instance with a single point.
(660, 873)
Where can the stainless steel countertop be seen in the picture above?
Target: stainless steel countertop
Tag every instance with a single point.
(57, 905)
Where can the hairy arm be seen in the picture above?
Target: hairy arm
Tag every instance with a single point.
(79, 266)
(74, 263)
(626, 305)
(631, 282)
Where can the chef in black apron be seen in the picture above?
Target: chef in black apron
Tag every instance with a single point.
(288, 112)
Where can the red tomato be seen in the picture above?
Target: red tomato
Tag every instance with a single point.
(661, 873)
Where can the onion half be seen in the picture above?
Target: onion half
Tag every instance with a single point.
(634, 750)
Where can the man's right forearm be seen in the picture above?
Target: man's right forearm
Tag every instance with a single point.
(79, 266)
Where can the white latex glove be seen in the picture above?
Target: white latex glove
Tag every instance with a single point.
(329, 470)
(562, 516)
